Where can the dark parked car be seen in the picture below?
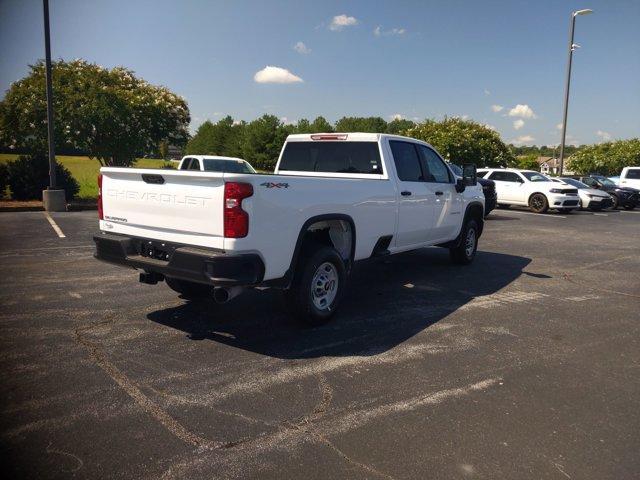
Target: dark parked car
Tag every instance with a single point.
(626, 197)
(488, 189)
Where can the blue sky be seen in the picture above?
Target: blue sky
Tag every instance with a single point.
(412, 58)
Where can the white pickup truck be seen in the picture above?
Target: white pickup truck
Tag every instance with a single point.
(333, 199)
(630, 177)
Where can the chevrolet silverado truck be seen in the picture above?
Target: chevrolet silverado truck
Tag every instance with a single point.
(333, 199)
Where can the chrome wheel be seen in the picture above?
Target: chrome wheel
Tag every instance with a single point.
(324, 286)
(470, 242)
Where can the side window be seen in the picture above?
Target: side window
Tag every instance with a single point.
(505, 177)
(186, 163)
(588, 181)
(195, 164)
(407, 161)
(435, 169)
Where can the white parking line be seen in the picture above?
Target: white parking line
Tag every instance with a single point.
(629, 211)
(54, 225)
(541, 215)
(601, 214)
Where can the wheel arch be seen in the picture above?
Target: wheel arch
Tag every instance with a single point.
(304, 237)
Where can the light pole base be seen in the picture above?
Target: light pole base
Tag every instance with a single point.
(54, 200)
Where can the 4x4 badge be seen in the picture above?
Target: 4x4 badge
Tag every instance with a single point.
(274, 185)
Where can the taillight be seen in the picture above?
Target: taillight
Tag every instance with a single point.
(236, 220)
(100, 212)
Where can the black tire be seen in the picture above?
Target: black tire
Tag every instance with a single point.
(565, 210)
(538, 203)
(615, 202)
(302, 299)
(189, 290)
(465, 252)
(629, 207)
(503, 205)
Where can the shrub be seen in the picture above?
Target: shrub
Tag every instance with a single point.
(29, 175)
(168, 166)
(3, 179)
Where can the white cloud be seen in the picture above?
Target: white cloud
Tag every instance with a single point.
(497, 108)
(465, 117)
(397, 116)
(523, 139)
(394, 31)
(301, 48)
(518, 124)
(605, 136)
(286, 121)
(559, 126)
(490, 127)
(523, 111)
(487, 92)
(271, 74)
(341, 21)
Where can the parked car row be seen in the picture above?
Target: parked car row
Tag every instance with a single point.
(564, 194)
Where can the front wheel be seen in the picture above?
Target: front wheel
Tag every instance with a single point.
(318, 287)
(465, 252)
(538, 203)
(615, 202)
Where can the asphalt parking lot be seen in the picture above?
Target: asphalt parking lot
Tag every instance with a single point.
(522, 365)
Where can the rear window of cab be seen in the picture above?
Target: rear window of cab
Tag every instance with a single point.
(332, 157)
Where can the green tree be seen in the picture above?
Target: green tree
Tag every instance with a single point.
(361, 124)
(303, 126)
(398, 126)
(606, 158)
(321, 125)
(222, 138)
(163, 149)
(110, 114)
(263, 140)
(464, 141)
(528, 162)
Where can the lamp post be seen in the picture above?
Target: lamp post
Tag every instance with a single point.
(572, 47)
(53, 199)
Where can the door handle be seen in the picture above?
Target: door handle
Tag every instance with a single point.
(405, 193)
(439, 193)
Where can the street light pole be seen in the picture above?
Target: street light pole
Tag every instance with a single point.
(53, 199)
(572, 47)
(47, 48)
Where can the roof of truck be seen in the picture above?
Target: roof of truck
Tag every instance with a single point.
(346, 136)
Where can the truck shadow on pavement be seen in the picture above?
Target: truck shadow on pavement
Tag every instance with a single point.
(388, 302)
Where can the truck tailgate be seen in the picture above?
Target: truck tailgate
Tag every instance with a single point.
(175, 206)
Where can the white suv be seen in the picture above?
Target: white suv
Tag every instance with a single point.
(532, 189)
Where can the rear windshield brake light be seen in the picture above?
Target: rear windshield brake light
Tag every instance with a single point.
(329, 137)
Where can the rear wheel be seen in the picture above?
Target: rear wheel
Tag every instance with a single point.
(318, 286)
(538, 203)
(189, 290)
(465, 252)
(629, 207)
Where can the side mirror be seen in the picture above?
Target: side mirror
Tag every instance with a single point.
(460, 185)
(469, 174)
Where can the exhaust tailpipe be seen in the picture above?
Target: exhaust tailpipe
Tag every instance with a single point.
(223, 294)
